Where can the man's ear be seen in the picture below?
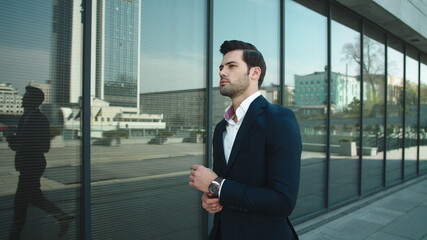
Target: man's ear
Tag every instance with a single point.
(255, 73)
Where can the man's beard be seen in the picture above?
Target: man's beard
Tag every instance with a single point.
(235, 89)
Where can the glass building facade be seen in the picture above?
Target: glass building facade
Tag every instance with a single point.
(131, 98)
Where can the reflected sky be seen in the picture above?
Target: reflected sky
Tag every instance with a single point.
(306, 41)
(342, 35)
(173, 41)
(411, 69)
(395, 63)
(253, 21)
(25, 30)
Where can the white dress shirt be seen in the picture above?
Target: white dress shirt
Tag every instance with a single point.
(232, 128)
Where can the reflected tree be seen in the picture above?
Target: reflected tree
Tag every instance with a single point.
(373, 63)
(353, 108)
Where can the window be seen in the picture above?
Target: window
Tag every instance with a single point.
(411, 113)
(302, 25)
(394, 130)
(423, 112)
(43, 29)
(345, 121)
(373, 109)
(141, 161)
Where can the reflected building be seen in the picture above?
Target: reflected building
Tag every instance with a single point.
(105, 117)
(10, 100)
(117, 52)
(115, 64)
(65, 55)
(180, 108)
(311, 89)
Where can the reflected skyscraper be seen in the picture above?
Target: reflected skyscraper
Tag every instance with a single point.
(117, 52)
(66, 52)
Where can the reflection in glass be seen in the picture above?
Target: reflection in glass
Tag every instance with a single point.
(39, 49)
(394, 136)
(345, 112)
(148, 123)
(411, 115)
(373, 111)
(423, 113)
(305, 93)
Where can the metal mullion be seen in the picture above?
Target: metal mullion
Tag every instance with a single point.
(208, 220)
(282, 54)
(328, 121)
(360, 169)
(419, 113)
(385, 111)
(85, 168)
(403, 115)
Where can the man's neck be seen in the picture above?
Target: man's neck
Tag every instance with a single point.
(236, 101)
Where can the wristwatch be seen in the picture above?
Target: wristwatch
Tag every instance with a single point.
(214, 186)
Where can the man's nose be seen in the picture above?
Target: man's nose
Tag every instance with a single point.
(222, 73)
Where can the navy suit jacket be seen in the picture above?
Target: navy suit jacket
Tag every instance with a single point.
(262, 175)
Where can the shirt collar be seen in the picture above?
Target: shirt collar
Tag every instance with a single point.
(242, 109)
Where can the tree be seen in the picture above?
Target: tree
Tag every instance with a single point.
(353, 107)
(373, 63)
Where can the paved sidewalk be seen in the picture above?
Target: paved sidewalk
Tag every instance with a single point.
(398, 213)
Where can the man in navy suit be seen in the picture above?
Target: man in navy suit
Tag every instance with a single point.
(253, 186)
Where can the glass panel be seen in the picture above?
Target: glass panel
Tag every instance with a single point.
(254, 20)
(423, 112)
(373, 109)
(148, 124)
(394, 132)
(306, 76)
(40, 46)
(411, 114)
(345, 108)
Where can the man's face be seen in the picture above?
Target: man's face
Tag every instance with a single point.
(234, 74)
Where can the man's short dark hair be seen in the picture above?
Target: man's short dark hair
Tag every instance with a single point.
(36, 95)
(251, 56)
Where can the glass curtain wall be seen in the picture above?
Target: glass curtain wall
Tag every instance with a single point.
(373, 109)
(345, 106)
(423, 112)
(148, 119)
(395, 94)
(411, 113)
(40, 90)
(305, 92)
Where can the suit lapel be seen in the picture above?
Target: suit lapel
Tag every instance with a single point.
(256, 107)
(219, 161)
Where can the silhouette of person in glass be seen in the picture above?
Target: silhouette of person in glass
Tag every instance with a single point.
(31, 142)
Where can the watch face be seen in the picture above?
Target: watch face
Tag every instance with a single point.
(213, 188)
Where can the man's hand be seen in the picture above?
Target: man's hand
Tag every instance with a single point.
(201, 177)
(210, 204)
